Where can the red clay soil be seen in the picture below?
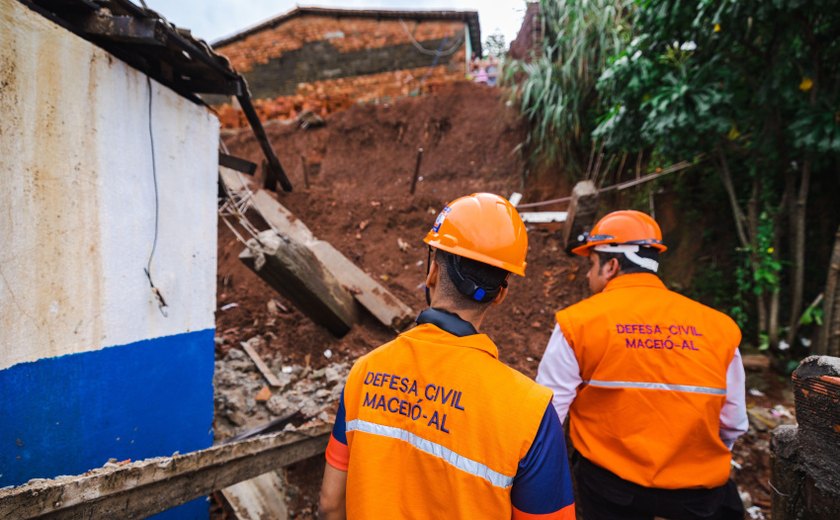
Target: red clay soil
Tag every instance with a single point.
(359, 201)
(360, 169)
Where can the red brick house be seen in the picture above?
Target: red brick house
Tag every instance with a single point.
(323, 59)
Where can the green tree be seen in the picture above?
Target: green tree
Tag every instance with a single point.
(754, 85)
(555, 88)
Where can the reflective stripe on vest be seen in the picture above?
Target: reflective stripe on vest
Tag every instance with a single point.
(650, 415)
(470, 466)
(657, 386)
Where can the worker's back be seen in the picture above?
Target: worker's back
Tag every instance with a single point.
(437, 427)
(654, 364)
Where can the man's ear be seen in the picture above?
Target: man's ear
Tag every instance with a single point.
(434, 272)
(611, 268)
(501, 296)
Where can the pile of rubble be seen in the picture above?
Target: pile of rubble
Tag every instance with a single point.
(323, 98)
(244, 400)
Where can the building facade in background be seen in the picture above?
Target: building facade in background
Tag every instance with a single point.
(322, 60)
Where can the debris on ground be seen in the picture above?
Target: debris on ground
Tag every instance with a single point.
(244, 401)
(365, 157)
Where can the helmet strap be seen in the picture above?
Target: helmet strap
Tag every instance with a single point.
(630, 252)
(428, 268)
(467, 286)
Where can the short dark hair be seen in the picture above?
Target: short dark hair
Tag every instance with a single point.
(624, 263)
(483, 275)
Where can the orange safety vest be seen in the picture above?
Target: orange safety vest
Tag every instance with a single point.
(653, 365)
(436, 422)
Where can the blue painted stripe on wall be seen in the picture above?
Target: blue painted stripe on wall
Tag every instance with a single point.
(66, 415)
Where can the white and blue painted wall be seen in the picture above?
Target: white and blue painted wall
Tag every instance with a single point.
(91, 368)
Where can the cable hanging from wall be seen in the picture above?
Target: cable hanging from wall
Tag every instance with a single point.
(430, 52)
(162, 305)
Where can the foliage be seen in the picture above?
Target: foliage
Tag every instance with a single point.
(755, 86)
(557, 91)
(758, 272)
(699, 72)
(813, 315)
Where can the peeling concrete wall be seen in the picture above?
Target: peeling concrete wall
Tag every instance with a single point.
(78, 198)
(89, 366)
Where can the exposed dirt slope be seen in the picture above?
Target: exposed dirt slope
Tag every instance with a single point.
(360, 167)
(359, 201)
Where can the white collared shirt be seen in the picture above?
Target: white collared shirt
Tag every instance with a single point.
(560, 372)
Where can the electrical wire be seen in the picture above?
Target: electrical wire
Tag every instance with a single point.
(620, 186)
(158, 295)
(429, 52)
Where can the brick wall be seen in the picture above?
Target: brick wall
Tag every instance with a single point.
(322, 63)
(344, 34)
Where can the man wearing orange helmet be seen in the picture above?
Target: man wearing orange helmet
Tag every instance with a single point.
(652, 382)
(432, 424)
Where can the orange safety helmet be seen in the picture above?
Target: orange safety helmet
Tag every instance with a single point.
(625, 227)
(483, 227)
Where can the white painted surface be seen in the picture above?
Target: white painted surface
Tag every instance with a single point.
(258, 498)
(543, 217)
(77, 198)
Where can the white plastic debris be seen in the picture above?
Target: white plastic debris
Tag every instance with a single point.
(755, 392)
(328, 353)
(229, 306)
(735, 464)
(783, 345)
(286, 369)
(781, 411)
(806, 342)
(755, 513)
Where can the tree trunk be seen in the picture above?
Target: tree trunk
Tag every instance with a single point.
(752, 233)
(798, 251)
(829, 343)
(737, 212)
(773, 320)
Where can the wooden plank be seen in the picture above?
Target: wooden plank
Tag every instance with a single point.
(374, 297)
(147, 487)
(275, 170)
(581, 214)
(237, 163)
(258, 498)
(281, 219)
(378, 300)
(261, 366)
(543, 217)
(383, 305)
(292, 269)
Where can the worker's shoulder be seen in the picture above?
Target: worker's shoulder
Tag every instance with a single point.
(694, 308)
(384, 350)
(597, 303)
(508, 379)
